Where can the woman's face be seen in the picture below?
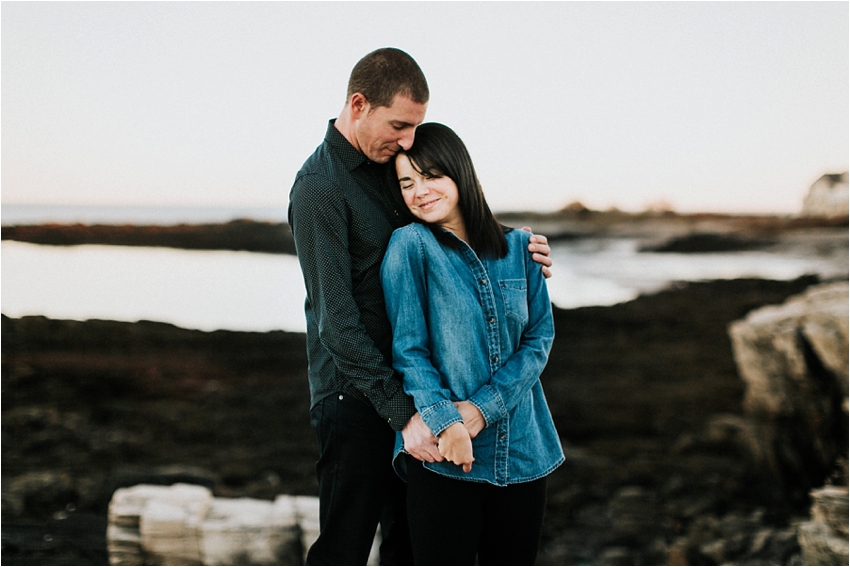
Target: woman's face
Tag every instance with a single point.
(431, 199)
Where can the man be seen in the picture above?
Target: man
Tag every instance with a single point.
(342, 212)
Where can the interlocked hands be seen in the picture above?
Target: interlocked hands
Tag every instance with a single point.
(454, 443)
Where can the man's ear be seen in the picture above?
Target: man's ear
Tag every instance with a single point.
(358, 105)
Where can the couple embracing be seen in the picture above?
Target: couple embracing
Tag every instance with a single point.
(428, 326)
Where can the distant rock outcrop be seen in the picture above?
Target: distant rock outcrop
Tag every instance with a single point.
(244, 235)
(828, 197)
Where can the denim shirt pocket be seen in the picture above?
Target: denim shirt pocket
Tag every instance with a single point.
(515, 296)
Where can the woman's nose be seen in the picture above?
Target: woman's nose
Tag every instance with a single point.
(422, 189)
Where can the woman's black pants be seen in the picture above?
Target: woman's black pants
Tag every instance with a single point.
(456, 522)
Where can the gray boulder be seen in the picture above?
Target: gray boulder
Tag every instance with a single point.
(793, 359)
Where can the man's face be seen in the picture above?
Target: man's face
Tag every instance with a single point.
(383, 131)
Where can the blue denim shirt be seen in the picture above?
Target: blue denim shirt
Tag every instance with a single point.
(476, 330)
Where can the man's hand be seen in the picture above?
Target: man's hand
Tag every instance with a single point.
(472, 417)
(538, 245)
(419, 441)
(456, 446)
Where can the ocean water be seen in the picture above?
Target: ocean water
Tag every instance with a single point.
(606, 271)
(205, 290)
(246, 291)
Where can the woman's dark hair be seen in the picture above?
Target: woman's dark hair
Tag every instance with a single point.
(384, 73)
(438, 151)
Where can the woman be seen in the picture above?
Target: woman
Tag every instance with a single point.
(472, 329)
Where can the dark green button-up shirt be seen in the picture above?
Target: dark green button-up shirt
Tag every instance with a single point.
(342, 214)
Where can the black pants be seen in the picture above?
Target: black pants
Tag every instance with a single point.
(358, 487)
(453, 522)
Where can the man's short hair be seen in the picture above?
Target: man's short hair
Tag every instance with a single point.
(385, 73)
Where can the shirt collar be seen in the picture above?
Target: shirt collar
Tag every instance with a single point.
(343, 148)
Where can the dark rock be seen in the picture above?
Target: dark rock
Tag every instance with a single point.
(71, 538)
(38, 492)
(247, 235)
(709, 242)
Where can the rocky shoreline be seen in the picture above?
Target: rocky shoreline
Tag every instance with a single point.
(242, 235)
(664, 231)
(638, 390)
(645, 394)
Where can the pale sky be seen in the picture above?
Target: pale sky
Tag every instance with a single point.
(711, 107)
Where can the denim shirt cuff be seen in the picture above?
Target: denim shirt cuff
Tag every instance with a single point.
(440, 415)
(490, 403)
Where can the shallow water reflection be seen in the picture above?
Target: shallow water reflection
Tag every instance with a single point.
(246, 291)
(206, 290)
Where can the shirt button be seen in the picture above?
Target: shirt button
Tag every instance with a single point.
(491, 320)
(340, 396)
(502, 436)
(495, 359)
(483, 281)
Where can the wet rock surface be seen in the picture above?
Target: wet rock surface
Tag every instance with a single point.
(645, 394)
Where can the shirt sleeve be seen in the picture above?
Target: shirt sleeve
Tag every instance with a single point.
(510, 383)
(319, 222)
(404, 281)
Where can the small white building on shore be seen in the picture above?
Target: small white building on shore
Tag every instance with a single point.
(828, 197)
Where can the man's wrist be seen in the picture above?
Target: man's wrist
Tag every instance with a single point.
(400, 410)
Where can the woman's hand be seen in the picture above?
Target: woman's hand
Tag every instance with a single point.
(456, 446)
(472, 418)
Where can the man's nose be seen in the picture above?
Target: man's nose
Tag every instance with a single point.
(406, 141)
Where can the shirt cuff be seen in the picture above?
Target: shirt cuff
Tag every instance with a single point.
(398, 410)
(440, 415)
(490, 403)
